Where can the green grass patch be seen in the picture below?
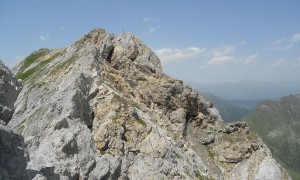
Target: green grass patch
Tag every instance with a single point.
(63, 65)
(138, 119)
(116, 120)
(125, 101)
(176, 136)
(177, 155)
(102, 152)
(142, 122)
(295, 175)
(234, 148)
(32, 58)
(135, 104)
(111, 77)
(25, 75)
(198, 175)
(210, 152)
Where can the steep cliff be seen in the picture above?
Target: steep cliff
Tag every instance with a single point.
(103, 109)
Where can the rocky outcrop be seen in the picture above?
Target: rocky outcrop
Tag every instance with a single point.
(9, 90)
(12, 155)
(103, 109)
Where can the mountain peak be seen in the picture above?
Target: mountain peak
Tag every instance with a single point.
(103, 109)
(125, 51)
(95, 36)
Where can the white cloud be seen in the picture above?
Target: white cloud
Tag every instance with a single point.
(287, 63)
(279, 41)
(222, 51)
(61, 28)
(295, 38)
(44, 37)
(279, 63)
(250, 59)
(218, 60)
(152, 29)
(221, 55)
(146, 20)
(168, 55)
(151, 25)
(283, 44)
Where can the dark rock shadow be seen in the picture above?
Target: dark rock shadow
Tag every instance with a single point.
(13, 160)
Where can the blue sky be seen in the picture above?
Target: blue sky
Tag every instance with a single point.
(196, 40)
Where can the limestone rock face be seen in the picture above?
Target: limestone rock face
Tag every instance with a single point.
(103, 109)
(9, 90)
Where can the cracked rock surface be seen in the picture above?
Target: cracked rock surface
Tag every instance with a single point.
(102, 108)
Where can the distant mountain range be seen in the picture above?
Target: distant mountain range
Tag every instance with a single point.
(228, 111)
(245, 90)
(248, 104)
(278, 123)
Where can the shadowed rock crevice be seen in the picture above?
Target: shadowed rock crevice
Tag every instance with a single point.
(46, 172)
(9, 91)
(13, 160)
(111, 52)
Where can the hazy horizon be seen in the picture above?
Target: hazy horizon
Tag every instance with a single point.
(245, 80)
(249, 90)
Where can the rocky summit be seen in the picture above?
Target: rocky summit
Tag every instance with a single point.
(102, 108)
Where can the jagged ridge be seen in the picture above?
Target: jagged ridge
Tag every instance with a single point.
(102, 109)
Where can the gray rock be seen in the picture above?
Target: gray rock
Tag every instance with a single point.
(178, 117)
(127, 42)
(107, 47)
(210, 139)
(9, 90)
(13, 160)
(103, 109)
(269, 170)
